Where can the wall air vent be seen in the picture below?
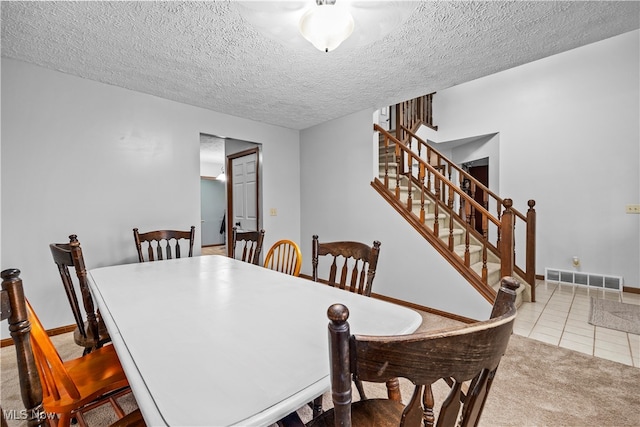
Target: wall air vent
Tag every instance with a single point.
(580, 278)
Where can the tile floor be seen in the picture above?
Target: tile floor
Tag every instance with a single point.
(560, 317)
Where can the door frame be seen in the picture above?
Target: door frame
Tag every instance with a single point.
(229, 169)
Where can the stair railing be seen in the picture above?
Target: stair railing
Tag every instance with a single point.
(414, 112)
(430, 171)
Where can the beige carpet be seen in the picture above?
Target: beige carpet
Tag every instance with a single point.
(536, 385)
(615, 315)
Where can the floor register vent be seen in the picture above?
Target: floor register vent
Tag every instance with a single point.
(590, 280)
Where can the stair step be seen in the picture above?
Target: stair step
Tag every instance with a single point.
(492, 268)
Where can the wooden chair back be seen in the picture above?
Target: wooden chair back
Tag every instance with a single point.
(357, 262)
(465, 358)
(246, 245)
(13, 308)
(90, 333)
(162, 244)
(284, 256)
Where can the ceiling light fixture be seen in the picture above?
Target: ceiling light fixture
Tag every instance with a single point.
(326, 25)
(292, 23)
(222, 176)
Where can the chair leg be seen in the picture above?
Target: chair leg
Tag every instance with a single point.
(64, 420)
(393, 390)
(360, 389)
(317, 406)
(291, 420)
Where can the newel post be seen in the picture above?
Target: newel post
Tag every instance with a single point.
(506, 240)
(531, 248)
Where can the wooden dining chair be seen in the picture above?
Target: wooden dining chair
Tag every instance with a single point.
(466, 358)
(358, 263)
(159, 243)
(284, 256)
(90, 332)
(246, 245)
(70, 388)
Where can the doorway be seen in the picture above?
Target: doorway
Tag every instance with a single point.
(479, 169)
(215, 173)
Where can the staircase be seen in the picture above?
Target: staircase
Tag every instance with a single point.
(427, 189)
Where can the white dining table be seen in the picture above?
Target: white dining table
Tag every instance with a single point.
(212, 341)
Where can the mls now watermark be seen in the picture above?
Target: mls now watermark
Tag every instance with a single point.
(23, 415)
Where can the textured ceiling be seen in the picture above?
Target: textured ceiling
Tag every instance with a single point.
(210, 55)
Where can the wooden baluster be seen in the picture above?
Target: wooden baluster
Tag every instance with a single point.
(472, 219)
(422, 195)
(506, 242)
(485, 225)
(531, 248)
(485, 273)
(429, 180)
(436, 231)
(386, 162)
(467, 257)
(447, 173)
(397, 153)
(399, 112)
(410, 180)
(451, 232)
(485, 221)
(460, 198)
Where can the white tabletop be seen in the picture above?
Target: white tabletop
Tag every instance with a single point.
(211, 341)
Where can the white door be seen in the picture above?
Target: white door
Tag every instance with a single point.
(244, 176)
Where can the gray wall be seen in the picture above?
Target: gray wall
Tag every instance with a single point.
(96, 160)
(340, 204)
(569, 138)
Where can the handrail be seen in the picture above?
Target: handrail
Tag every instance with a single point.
(464, 173)
(445, 194)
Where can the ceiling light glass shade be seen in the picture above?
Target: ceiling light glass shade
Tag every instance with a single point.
(222, 176)
(281, 21)
(326, 26)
